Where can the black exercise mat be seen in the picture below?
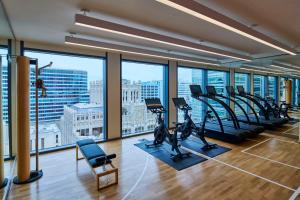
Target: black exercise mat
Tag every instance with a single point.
(195, 144)
(163, 152)
(293, 121)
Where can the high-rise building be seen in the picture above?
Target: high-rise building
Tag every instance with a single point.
(135, 117)
(96, 92)
(64, 87)
(197, 78)
(5, 93)
(81, 121)
(152, 89)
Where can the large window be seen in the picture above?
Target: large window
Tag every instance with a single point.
(272, 87)
(73, 107)
(220, 80)
(282, 86)
(187, 77)
(140, 81)
(293, 91)
(5, 116)
(259, 85)
(241, 79)
(297, 95)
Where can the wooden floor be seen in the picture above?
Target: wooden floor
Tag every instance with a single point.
(267, 167)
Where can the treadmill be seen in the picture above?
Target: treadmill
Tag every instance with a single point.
(266, 118)
(253, 129)
(217, 130)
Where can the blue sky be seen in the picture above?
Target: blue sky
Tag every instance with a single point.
(94, 66)
(134, 71)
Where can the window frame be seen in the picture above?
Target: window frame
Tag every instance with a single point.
(165, 92)
(265, 86)
(204, 80)
(9, 94)
(80, 55)
(275, 86)
(203, 69)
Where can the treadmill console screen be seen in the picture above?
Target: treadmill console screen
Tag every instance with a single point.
(196, 90)
(211, 90)
(240, 89)
(179, 102)
(153, 103)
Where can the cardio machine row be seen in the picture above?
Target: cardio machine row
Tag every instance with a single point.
(234, 129)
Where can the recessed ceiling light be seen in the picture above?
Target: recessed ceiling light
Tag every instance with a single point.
(197, 10)
(89, 22)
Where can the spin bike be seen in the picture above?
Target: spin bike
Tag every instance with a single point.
(188, 127)
(161, 132)
(282, 110)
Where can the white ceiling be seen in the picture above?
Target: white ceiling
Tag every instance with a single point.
(50, 21)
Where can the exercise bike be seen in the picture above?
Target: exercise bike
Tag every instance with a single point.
(188, 127)
(280, 111)
(161, 132)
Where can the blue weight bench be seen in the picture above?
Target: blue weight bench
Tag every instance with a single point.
(97, 158)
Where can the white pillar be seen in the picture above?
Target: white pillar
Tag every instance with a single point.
(113, 94)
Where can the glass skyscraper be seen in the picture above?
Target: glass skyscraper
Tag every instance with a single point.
(64, 87)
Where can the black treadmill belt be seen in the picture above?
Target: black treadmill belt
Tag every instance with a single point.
(230, 134)
(254, 130)
(266, 123)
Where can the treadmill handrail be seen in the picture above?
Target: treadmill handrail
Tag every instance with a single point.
(212, 109)
(266, 115)
(236, 103)
(265, 101)
(236, 96)
(227, 108)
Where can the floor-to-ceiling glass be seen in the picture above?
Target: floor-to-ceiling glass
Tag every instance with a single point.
(73, 107)
(140, 81)
(241, 79)
(187, 77)
(281, 90)
(293, 91)
(272, 87)
(297, 95)
(220, 80)
(4, 83)
(259, 85)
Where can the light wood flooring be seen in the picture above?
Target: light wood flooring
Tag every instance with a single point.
(267, 167)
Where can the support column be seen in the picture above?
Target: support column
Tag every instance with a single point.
(23, 152)
(113, 96)
(172, 92)
(13, 96)
(288, 91)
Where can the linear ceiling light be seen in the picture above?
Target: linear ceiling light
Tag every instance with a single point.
(285, 68)
(85, 21)
(130, 50)
(255, 70)
(267, 70)
(288, 65)
(197, 10)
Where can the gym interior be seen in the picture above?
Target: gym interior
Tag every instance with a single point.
(150, 99)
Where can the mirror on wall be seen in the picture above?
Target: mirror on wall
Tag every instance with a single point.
(5, 34)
